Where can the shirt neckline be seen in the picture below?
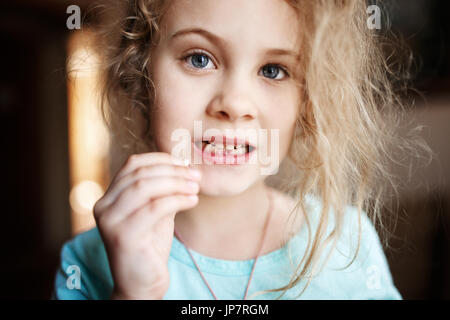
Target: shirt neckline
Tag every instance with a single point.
(228, 267)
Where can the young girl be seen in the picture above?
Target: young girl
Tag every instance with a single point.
(311, 71)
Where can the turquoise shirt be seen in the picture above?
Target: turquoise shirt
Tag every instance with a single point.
(84, 271)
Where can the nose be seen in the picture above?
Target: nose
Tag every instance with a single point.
(233, 102)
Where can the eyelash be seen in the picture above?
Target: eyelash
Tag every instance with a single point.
(200, 52)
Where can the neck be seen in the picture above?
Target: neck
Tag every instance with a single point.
(217, 219)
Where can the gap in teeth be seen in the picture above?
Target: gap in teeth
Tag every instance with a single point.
(238, 149)
(228, 147)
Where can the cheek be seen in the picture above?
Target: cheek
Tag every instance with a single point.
(283, 118)
(286, 126)
(174, 106)
(176, 91)
(171, 96)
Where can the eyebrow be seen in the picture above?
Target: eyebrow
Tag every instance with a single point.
(221, 42)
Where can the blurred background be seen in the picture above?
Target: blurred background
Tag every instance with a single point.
(58, 160)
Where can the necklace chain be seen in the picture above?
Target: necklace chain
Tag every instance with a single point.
(254, 263)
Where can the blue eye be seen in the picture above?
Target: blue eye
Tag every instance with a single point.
(200, 60)
(273, 70)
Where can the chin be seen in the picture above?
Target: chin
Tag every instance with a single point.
(225, 185)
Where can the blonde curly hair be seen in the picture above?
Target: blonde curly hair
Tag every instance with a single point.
(346, 130)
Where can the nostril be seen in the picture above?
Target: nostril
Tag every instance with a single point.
(223, 114)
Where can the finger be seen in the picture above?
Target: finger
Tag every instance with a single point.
(144, 190)
(143, 219)
(146, 159)
(152, 171)
(134, 161)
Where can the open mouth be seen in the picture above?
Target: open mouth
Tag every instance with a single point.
(218, 150)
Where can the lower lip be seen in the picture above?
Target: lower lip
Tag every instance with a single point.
(223, 157)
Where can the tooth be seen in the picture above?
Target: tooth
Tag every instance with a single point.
(209, 148)
(231, 149)
(219, 146)
(236, 151)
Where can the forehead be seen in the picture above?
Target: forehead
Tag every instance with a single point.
(267, 23)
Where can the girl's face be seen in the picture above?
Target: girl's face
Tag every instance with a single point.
(234, 71)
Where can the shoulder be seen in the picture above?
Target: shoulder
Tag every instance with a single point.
(84, 271)
(356, 267)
